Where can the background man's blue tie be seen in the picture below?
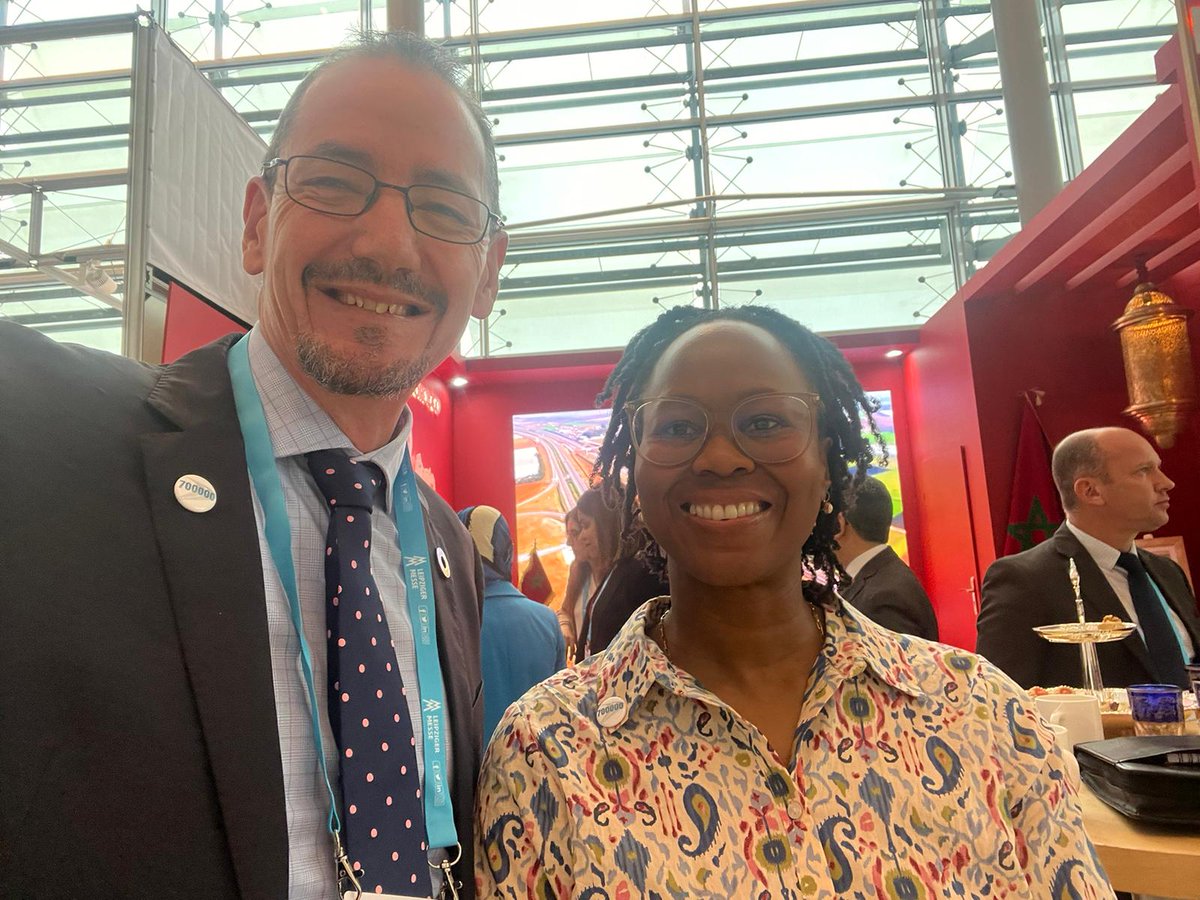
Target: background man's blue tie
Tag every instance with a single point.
(382, 811)
(1166, 660)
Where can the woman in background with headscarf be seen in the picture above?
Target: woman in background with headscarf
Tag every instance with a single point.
(520, 643)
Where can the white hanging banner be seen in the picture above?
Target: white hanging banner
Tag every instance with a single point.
(201, 153)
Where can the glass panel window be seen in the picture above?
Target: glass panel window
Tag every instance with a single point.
(1115, 38)
(989, 231)
(983, 143)
(514, 15)
(48, 59)
(61, 313)
(65, 126)
(26, 12)
(836, 277)
(854, 152)
(813, 58)
(605, 292)
(573, 177)
(971, 49)
(1103, 115)
(636, 76)
(232, 29)
(83, 217)
(886, 295)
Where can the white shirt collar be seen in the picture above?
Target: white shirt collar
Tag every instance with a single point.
(856, 564)
(1105, 555)
(298, 424)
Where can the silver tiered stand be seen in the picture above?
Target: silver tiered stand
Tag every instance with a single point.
(1087, 635)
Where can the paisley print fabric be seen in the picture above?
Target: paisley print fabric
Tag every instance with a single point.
(918, 772)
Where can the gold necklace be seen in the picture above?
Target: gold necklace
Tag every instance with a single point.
(662, 627)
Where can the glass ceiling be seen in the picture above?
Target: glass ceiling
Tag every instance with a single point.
(845, 161)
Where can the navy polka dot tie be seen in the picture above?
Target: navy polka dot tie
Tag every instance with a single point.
(382, 814)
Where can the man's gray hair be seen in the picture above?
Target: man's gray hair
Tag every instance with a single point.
(411, 50)
(1077, 456)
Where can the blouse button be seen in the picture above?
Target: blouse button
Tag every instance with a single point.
(795, 809)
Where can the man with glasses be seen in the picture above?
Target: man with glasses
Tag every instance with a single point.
(241, 641)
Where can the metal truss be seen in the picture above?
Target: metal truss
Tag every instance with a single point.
(694, 101)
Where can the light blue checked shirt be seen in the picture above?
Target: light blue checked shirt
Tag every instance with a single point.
(297, 425)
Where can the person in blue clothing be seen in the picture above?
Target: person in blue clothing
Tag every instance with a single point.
(521, 642)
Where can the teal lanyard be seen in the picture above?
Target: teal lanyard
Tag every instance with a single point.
(418, 575)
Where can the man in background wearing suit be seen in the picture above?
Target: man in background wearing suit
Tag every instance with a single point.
(1112, 489)
(213, 671)
(881, 585)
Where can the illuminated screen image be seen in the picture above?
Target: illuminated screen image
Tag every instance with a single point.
(552, 461)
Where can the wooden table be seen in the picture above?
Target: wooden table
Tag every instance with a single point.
(1140, 858)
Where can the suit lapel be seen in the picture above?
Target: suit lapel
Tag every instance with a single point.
(855, 587)
(1099, 599)
(214, 575)
(859, 581)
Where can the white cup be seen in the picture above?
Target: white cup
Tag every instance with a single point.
(1079, 714)
(1070, 764)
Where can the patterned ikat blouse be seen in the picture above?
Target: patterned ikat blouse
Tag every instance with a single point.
(919, 772)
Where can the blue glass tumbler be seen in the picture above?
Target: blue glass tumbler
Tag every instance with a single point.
(1156, 708)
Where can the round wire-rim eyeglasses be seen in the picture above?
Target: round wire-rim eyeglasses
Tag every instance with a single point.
(689, 447)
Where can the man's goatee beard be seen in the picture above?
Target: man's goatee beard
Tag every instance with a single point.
(354, 374)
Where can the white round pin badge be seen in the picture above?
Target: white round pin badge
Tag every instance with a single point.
(195, 493)
(443, 562)
(611, 712)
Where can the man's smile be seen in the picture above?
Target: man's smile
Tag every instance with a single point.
(375, 302)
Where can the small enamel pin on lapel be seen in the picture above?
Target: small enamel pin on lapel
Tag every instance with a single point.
(443, 562)
(195, 493)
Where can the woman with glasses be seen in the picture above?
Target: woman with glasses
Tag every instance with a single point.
(750, 735)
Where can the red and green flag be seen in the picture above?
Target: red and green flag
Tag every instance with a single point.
(1035, 511)
(535, 583)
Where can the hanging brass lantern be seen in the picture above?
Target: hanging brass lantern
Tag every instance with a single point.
(1158, 361)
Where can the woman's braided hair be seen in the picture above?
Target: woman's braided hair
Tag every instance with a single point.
(844, 411)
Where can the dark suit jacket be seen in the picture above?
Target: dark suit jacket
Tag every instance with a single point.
(628, 586)
(139, 752)
(1032, 588)
(887, 591)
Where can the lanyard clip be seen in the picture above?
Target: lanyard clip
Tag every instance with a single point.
(347, 877)
(450, 887)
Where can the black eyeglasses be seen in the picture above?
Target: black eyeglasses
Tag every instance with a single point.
(340, 189)
(769, 428)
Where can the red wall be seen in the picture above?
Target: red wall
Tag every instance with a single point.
(951, 497)
(482, 443)
(191, 322)
(432, 435)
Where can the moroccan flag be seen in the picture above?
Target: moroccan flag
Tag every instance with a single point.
(535, 584)
(1035, 511)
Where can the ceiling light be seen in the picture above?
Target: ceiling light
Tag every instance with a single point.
(458, 381)
(894, 354)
